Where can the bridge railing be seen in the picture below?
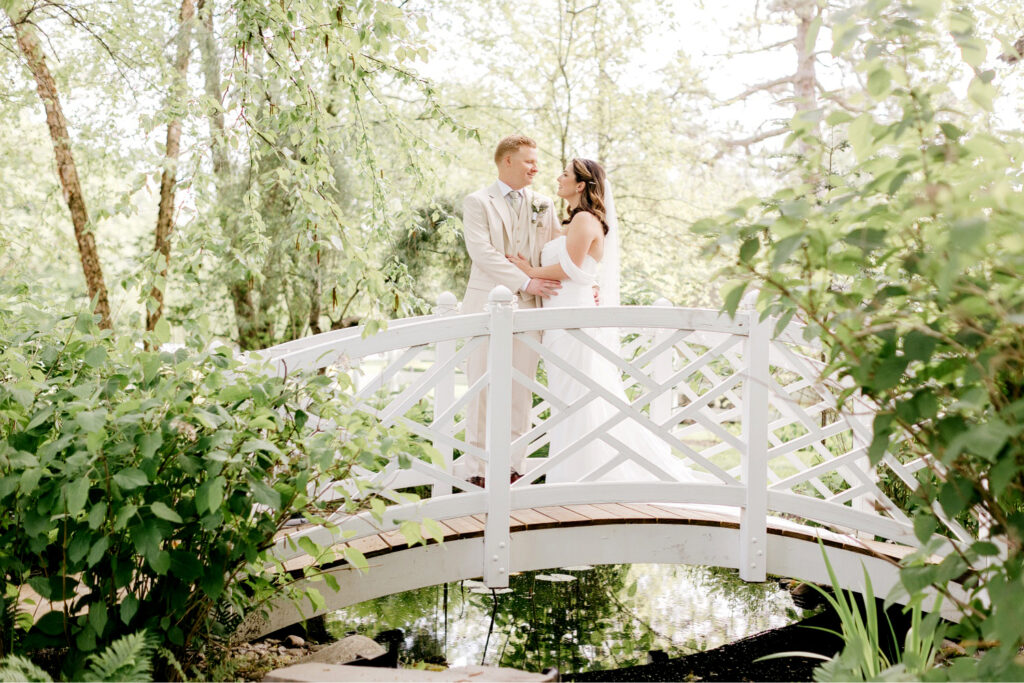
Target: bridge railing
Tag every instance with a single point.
(748, 411)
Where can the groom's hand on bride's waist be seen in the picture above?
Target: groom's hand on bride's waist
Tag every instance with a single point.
(542, 288)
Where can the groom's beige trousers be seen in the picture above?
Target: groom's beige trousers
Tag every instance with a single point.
(524, 359)
(492, 231)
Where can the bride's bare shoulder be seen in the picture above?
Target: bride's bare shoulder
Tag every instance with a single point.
(584, 220)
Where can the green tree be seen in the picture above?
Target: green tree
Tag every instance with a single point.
(905, 264)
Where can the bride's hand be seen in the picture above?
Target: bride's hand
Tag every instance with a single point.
(520, 262)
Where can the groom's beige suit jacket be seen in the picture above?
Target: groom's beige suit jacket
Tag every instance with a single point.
(491, 231)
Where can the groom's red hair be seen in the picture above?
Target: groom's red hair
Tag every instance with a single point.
(511, 145)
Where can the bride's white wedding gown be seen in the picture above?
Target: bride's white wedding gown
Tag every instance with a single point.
(577, 291)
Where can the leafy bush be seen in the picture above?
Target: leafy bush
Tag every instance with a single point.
(126, 659)
(902, 251)
(142, 489)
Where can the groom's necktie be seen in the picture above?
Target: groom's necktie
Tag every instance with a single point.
(514, 197)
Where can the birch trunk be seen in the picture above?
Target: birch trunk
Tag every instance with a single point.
(67, 171)
(169, 177)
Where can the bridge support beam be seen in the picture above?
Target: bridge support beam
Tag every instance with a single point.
(497, 536)
(754, 514)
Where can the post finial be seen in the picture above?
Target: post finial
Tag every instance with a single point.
(446, 303)
(501, 295)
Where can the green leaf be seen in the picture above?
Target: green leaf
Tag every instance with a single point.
(163, 511)
(918, 345)
(149, 443)
(981, 93)
(861, 136)
(985, 549)
(98, 616)
(129, 606)
(160, 562)
(99, 549)
(924, 526)
(309, 547)
(210, 495)
(955, 496)
(131, 478)
(785, 248)
(916, 579)
(356, 558)
(433, 529)
(879, 81)
(986, 440)
(212, 582)
(889, 373)
(973, 50)
(91, 420)
(76, 494)
(264, 495)
(733, 297)
(95, 356)
(316, 599)
(748, 249)
(97, 514)
(162, 331)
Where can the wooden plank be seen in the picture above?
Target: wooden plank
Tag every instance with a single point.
(531, 519)
(395, 539)
(701, 517)
(593, 512)
(625, 513)
(889, 549)
(369, 544)
(657, 513)
(561, 514)
(462, 527)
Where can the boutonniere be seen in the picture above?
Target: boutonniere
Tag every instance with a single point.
(538, 208)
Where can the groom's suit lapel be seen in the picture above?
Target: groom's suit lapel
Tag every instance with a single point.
(503, 209)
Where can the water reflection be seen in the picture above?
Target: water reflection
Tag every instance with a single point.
(576, 619)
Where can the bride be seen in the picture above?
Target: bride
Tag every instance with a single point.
(588, 239)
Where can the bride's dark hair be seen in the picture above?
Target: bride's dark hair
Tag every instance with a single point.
(591, 174)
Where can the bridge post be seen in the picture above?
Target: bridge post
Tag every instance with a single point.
(497, 537)
(754, 514)
(661, 371)
(444, 390)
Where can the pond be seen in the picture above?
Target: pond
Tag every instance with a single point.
(576, 618)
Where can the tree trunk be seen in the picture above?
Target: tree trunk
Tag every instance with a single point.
(67, 171)
(805, 80)
(211, 78)
(169, 178)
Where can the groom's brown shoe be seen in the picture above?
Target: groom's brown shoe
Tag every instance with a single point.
(514, 476)
(477, 481)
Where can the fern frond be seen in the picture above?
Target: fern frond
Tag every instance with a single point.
(172, 661)
(129, 658)
(15, 669)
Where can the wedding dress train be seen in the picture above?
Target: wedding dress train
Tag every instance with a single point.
(577, 291)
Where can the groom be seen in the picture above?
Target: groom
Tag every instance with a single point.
(502, 219)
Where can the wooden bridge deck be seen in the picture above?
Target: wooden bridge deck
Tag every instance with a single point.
(565, 516)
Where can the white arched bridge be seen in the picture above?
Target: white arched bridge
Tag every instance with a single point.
(737, 400)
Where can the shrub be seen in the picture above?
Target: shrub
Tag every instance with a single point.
(142, 489)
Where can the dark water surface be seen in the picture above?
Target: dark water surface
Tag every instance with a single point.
(576, 618)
